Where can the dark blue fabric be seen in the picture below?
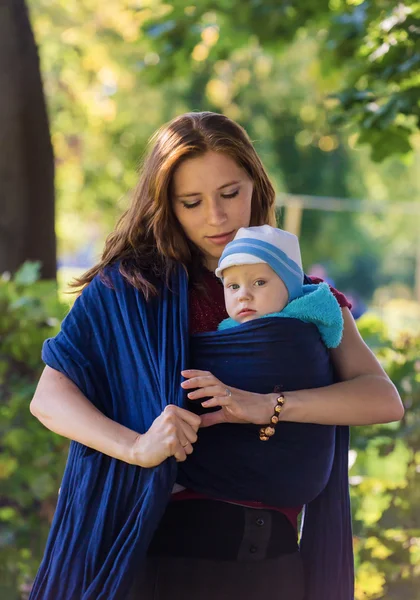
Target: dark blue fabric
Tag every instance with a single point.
(229, 460)
(307, 463)
(126, 356)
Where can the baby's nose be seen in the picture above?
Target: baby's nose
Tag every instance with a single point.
(244, 294)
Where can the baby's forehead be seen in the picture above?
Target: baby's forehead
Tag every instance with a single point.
(247, 270)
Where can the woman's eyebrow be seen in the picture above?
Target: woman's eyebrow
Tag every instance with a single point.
(198, 193)
(187, 195)
(228, 184)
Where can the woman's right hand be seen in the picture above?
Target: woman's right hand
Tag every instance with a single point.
(172, 433)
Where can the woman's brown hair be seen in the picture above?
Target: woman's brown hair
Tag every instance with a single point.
(148, 240)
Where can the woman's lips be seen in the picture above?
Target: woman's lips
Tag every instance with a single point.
(222, 239)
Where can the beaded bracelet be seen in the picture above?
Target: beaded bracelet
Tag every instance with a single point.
(268, 431)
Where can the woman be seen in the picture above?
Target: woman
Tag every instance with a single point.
(112, 384)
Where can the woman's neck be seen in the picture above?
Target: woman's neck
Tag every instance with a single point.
(211, 264)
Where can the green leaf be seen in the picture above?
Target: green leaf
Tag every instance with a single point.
(28, 273)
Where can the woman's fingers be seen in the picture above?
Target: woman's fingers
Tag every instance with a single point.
(171, 411)
(181, 447)
(173, 444)
(198, 379)
(236, 406)
(195, 373)
(172, 433)
(217, 401)
(208, 387)
(184, 446)
(210, 391)
(213, 418)
(188, 433)
(184, 426)
(187, 437)
(199, 382)
(188, 449)
(180, 455)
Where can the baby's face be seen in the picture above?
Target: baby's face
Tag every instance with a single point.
(253, 291)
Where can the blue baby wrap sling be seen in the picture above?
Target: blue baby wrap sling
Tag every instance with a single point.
(126, 355)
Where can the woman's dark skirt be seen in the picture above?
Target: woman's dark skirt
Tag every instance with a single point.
(205, 549)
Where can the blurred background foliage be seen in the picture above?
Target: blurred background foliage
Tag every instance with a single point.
(384, 477)
(329, 93)
(113, 74)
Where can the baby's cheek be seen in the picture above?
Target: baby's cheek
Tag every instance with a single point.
(229, 303)
(271, 304)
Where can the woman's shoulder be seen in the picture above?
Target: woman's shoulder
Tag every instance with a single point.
(104, 283)
(105, 295)
(117, 278)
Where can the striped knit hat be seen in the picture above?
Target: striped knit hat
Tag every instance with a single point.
(265, 244)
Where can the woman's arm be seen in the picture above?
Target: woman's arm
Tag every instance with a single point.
(60, 406)
(365, 394)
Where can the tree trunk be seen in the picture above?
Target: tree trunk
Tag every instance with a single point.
(26, 157)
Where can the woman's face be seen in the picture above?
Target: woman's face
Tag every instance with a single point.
(212, 200)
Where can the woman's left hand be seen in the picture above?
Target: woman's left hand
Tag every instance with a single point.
(236, 406)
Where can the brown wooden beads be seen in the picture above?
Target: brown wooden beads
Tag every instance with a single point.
(268, 431)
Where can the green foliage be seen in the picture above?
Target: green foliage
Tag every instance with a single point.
(374, 44)
(385, 490)
(32, 458)
(218, 29)
(101, 110)
(113, 74)
(378, 43)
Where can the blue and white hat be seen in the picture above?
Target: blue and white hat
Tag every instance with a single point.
(265, 244)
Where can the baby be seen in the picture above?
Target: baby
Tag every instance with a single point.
(262, 275)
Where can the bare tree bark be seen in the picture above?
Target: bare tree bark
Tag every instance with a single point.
(26, 155)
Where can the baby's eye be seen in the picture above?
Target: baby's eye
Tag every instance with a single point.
(233, 286)
(260, 282)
